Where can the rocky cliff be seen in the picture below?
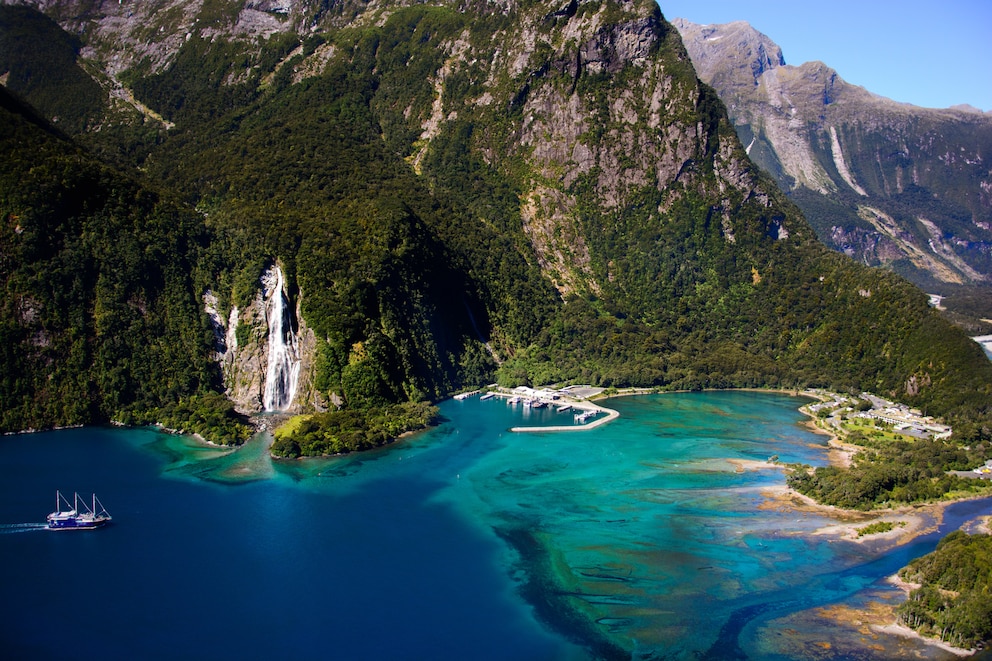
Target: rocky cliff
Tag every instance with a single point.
(455, 193)
(244, 340)
(887, 183)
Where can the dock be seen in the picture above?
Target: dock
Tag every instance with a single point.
(588, 411)
(561, 401)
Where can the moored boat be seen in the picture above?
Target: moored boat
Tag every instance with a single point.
(87, 518)
(582, 417)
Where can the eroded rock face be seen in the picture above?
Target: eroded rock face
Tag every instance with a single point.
(242, 339)
(122, 33)
(639, 139)
(924, 170)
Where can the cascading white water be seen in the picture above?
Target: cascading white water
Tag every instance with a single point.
(284, 363)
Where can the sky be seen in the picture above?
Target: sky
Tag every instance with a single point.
(934, 54)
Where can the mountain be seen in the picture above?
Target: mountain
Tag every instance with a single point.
(887, 183)
(311, 206)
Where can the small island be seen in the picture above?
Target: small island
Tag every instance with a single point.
(349, 430)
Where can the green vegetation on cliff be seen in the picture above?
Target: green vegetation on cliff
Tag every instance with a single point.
(428, 184)
(954, 602)
(99, 310)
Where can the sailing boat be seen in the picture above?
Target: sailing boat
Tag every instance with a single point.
(73, 519)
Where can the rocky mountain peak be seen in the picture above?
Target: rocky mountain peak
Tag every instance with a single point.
(751, 52)
(886, 182)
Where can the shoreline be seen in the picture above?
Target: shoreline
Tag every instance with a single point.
(901, 630)
(911, 521)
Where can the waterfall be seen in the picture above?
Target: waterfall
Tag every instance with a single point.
(231, 336)
(284, 362)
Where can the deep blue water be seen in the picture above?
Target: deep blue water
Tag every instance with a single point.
(464, 542)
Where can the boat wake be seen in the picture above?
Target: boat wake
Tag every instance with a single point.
(11, 528)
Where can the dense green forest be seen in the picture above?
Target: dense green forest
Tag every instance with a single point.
(409, 256)
(340, 432)
(100, 315)
(954, 602)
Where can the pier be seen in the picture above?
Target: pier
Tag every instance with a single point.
(589, 408)
(561, 401)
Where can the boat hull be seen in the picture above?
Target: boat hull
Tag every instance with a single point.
(77, 523)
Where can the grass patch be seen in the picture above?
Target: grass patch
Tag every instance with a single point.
(291, 426)
(879, 527)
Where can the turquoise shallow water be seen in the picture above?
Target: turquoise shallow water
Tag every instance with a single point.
(640, 538)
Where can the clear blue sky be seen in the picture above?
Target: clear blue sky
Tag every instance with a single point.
(929, 53)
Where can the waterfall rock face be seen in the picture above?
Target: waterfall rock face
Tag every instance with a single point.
(283, 370)
(266, 364)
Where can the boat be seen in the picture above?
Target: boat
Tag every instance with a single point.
(75, 519)
(585, 415)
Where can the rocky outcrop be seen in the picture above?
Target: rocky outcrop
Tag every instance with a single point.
(243, 340)
(841, 149)
(575, 144)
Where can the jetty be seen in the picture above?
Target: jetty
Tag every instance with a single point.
(561, 401)
(589, 410)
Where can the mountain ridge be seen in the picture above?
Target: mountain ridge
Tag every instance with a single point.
(450, 206)
(885, 182)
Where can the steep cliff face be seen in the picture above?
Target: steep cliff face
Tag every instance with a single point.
(887, 183)
(266, 355)
(608, 129)
(528, 191)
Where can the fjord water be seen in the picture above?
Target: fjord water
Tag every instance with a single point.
(466, 541)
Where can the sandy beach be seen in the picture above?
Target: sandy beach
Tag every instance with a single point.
(879, 616)
(909, 521)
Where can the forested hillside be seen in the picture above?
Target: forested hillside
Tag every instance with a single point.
(525, 192)
(100, 315)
